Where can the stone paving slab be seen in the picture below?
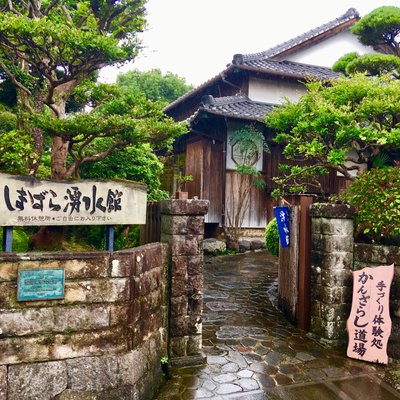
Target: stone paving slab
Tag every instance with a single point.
(254, 353)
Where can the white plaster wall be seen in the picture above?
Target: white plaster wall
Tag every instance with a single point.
(269, 91)
(330, 50)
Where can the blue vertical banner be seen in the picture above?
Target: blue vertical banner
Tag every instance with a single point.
(282, 215)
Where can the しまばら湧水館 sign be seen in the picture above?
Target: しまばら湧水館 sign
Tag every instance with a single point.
(27, 201)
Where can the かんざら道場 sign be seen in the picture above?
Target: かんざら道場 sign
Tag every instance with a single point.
(27, 201)
(369, 324)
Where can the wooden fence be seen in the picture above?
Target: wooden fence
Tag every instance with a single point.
(294, 292)
(151, 232)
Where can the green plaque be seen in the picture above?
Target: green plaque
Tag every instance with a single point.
(40, 284)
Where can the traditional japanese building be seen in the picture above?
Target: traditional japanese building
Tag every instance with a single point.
(242, 94)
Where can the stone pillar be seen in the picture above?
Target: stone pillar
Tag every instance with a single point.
(331, 265)
(182, 227)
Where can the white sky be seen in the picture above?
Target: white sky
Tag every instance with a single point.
(196, 39)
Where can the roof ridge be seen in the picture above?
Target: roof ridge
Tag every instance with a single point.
(350, 14)
(209, 100)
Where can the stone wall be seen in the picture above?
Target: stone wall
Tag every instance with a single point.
(331, 266)
(104, 340)
(334, 256)
(183, 228)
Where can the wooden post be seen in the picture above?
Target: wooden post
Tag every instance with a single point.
(288, 270)
(110, 238)
(304, 272)
(7, 238)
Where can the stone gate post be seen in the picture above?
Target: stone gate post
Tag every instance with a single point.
(182, 227)
(332, 229)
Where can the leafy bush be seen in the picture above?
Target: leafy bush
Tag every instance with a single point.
(20, 240)
(376, 196)
(272, 237)
(8, 121)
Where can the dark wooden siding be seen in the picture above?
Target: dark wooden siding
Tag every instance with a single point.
(213, 180)
(330, 182)
(194, 167)
(204, 161)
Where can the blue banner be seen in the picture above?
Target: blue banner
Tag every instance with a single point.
(282, 215)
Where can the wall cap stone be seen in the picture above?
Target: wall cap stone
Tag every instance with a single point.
(184, 207)
(51, 256)
(326, 210)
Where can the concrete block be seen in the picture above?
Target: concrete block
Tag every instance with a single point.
(332, 243)
(184, 207)
(93, 373)
(337, 277)
(24, 349)
(87, 344)
(3, 383)
(179, 306)
(178, 346)
(97, 291)
(133, 365)
(328, 226)
(90, 317)
(182, 224)
(194, 345)
(41, 381)
(27, 321)
(8, 271)
(331, 295)
(187, 245)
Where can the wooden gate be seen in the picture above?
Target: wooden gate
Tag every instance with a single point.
(294, 294)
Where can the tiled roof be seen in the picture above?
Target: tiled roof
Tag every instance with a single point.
(234, 107)
(351, 15)
(262, 61)
(288, 69)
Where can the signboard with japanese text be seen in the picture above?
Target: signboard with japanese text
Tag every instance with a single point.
(369, 324)
(27, 201)
(40, 284)
(283, 220)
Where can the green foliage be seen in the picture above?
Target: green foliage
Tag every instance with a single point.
(154, 85)
(8, 121)
(272, 237)
(331, 125)
(134, 163)
(248, 142)
(127, 119)
(374, 64)
(17, 151)
(370, 64)
(181, 181)
(341, 64)
(20, 240)
(376, 196)
(380, 29)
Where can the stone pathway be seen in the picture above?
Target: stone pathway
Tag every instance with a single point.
(253, 353)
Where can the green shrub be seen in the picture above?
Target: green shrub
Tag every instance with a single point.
(376, 196)
(272, 237)
(8, 121)
(20, 240)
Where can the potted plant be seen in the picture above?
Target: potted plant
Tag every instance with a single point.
(181, 180)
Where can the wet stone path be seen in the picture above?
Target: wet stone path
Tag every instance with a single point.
(254, 353)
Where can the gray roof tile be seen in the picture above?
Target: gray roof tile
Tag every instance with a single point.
(289, 69)
(351, 15)
(234, 107)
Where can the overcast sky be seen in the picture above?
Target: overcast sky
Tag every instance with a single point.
(196, 39)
